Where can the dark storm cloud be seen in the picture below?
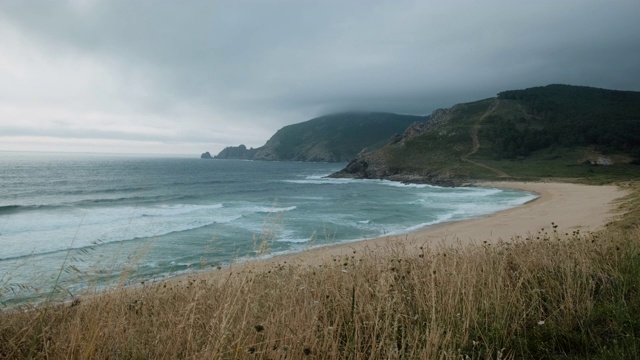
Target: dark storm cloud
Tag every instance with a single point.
(270, 63)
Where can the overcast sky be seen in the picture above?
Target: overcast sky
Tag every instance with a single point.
(185, 77)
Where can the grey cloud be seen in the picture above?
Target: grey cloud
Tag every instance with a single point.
(278, 62)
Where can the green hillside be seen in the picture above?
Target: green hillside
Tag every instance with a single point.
(558, 131)
(334, 138)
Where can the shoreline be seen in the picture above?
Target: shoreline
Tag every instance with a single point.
(571, 207)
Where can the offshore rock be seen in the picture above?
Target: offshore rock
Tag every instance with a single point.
(206, 155)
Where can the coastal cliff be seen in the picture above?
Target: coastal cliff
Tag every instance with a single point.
(550, 131)
(376, 164)
(331, 138)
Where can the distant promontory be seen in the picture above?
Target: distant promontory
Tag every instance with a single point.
(237, 152)
(331, 138)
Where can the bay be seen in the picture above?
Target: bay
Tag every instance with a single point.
(72, 222)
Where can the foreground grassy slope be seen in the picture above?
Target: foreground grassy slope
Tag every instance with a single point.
(544, 295)
(556, 131)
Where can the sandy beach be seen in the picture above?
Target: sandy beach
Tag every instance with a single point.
(570, 206)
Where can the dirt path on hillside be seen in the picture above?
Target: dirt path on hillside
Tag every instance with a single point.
(475, 142)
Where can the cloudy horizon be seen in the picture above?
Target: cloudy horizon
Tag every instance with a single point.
(170, 77)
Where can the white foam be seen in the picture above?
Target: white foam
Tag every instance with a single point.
(522, 200)
(323, 181)
(403, 185)
(442, 218)
(174, 210)
(265, 209)
(466, 193)
(80, 228)
(312, 198)
(293, 240)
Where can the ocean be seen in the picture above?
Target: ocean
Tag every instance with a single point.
(76, 222)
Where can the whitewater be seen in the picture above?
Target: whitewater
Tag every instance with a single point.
(74, 222)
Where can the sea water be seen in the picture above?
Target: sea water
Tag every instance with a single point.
(72, 222)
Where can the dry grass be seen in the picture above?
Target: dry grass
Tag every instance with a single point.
(565, 295)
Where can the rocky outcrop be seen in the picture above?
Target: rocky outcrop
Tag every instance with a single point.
(366, 165)
(206, 155)
(237, 152)
(268, 152)
(375, 164)
(439, 118)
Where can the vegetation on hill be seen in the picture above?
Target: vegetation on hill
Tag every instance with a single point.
(552, 131)
(568, 116)
(331, 138)
(546, 295)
